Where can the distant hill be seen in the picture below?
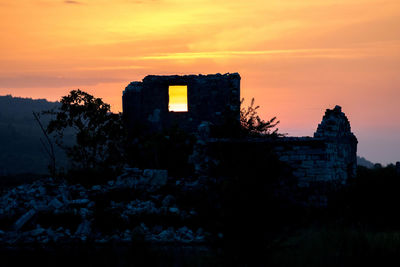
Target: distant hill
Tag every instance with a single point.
(364, 162)
(20, 147)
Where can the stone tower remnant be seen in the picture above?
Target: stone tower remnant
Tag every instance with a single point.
(329, 156)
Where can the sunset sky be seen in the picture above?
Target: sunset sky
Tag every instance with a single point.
(296, 57)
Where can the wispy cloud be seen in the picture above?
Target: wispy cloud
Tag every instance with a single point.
(111, 68)
(312, 53)
(72, 2)
(41, 81)
(143, 1)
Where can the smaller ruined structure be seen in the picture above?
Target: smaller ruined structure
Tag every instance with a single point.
(331, 155)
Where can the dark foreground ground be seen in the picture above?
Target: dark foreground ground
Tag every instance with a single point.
(325, 246)
(202, 225)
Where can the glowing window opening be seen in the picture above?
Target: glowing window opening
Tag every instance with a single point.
(178, 100)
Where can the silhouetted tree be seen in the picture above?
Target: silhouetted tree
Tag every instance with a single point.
(252, 124)
(99, 132)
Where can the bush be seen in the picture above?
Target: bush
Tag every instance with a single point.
(253, 125)
(371, 198)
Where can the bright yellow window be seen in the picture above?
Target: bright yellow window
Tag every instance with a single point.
(178, 98)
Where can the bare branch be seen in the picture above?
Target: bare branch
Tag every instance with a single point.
(50, 151)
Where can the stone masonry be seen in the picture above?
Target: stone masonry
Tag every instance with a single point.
(331, 155)
(209, 97)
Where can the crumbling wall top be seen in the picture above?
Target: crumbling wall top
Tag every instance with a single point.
(133, 87)
(334, 124)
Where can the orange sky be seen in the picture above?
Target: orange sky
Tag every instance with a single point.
(296, 57)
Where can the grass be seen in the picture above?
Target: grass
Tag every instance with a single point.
(336, 246)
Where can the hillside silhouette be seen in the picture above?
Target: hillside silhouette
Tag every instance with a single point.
(20, 148)
(361, 161)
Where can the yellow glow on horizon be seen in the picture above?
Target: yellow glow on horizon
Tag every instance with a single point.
(178, 98)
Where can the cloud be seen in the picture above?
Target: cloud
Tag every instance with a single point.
(105, 68)
(143, 1)
(72, 2)
(44, 81)
(310, 53)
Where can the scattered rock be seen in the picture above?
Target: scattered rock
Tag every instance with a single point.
(38, 231)
(167, 235)
(79, 201)
(72, 202)
(83, 230)
(24, 219)
(156, 178)
(96, 188)
(55, 203)
(174, 210)
(168, 201)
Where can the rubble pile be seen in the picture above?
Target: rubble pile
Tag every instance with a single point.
(135, 206)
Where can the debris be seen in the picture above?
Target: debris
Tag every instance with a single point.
(55, 203)
(174, 210)
(83, 230)
(24, 219)
(77, 205)
(156, 178)
(168, 201)
(79, 201)
(96, 188)
(38, 231)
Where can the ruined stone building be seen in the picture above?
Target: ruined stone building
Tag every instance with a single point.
(160, 102)
(191, 100)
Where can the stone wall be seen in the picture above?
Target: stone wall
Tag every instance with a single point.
(210, 97)
(329, 156)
